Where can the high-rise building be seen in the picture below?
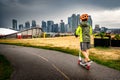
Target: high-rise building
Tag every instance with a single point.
(33, 23)
(44, 26)
(20, 27)
(62, 27)
(74, 21)
(97, 28)
(49, 26)
(27, 25)
(103, 29)
(55, 28)
(90, 20)
(70, 24)
(78, 19)
(14, 24)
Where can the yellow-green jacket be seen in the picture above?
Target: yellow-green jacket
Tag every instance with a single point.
(84, 30)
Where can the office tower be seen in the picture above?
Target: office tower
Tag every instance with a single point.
(74, 22)
(44, 26)
(67, 29)
(97, 28)
(55, 28)
(103, 29)
(14, 24)
(49, 26)
(62, 27)
(27, 25)
(90, 20)
(70, 24)
(78, 19)
(20, 27)
(33, 23)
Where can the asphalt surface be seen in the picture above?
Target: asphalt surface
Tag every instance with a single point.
(39, 64)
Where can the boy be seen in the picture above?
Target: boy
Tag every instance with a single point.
(84, 31)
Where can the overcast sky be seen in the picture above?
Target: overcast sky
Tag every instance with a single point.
(106, 13)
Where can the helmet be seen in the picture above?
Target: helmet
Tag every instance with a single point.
(84, 17)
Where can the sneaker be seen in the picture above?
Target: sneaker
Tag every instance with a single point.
(90, 61)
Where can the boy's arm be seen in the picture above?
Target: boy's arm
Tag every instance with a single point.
(77, 32)
(91, 30)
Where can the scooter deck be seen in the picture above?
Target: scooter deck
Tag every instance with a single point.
(86, 66)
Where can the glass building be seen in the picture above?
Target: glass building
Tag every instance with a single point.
(44, 26)
(62, 27)
(20, 27)
(14, 24)
(49, 26)
(33, 23)
(27, 25)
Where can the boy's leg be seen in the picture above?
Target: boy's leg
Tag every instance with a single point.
(84, 50)
(85, 54)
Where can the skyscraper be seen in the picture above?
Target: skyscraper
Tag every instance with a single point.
(33, 23)
(74, 21)
(62, 27)
(49, 26)
(70, 24)
(44, 27)
(27, 25)
(90, 20)
(78, 19)
(20, 27)
(55, 28)
(14, 24)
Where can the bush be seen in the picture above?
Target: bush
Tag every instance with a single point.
(117, 37)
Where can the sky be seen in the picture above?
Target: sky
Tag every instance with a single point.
(105, 13)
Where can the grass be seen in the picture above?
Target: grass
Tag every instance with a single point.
(106, 56)
(5, 68)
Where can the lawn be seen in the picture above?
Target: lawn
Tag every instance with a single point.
(106, 56)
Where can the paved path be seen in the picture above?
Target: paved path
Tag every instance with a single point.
(40, 64)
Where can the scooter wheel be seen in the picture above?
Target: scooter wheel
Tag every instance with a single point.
(88, 67)
(78, 62)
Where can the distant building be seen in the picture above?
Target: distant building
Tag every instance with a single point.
(33, 23)
(21, 27)
(62, 27)
(28, 33)
(103, 29)
(78, 19)
(55, 28)
(115, 31)
(49, 26)
(97, 28)
(90, 20)
(44, 26)
(70, 24)
(27, 25)
(14, 24)
(74, 21)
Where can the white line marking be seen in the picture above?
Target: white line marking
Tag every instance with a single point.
(54, 67)
(61, 72)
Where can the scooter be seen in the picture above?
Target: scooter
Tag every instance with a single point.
(85, 65)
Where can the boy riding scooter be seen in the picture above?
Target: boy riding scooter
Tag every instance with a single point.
(84, 31)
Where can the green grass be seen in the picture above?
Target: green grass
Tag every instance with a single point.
(115, 64)
(5, 68)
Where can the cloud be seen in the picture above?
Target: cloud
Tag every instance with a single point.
(24, 10)
(107, 18)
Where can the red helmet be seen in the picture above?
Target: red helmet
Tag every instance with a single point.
(84, 17)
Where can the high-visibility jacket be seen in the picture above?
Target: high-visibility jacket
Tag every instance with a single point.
(84, 31)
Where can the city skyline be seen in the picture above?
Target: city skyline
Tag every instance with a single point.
(106, 13)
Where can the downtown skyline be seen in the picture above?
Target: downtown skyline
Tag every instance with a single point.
(106, 13)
